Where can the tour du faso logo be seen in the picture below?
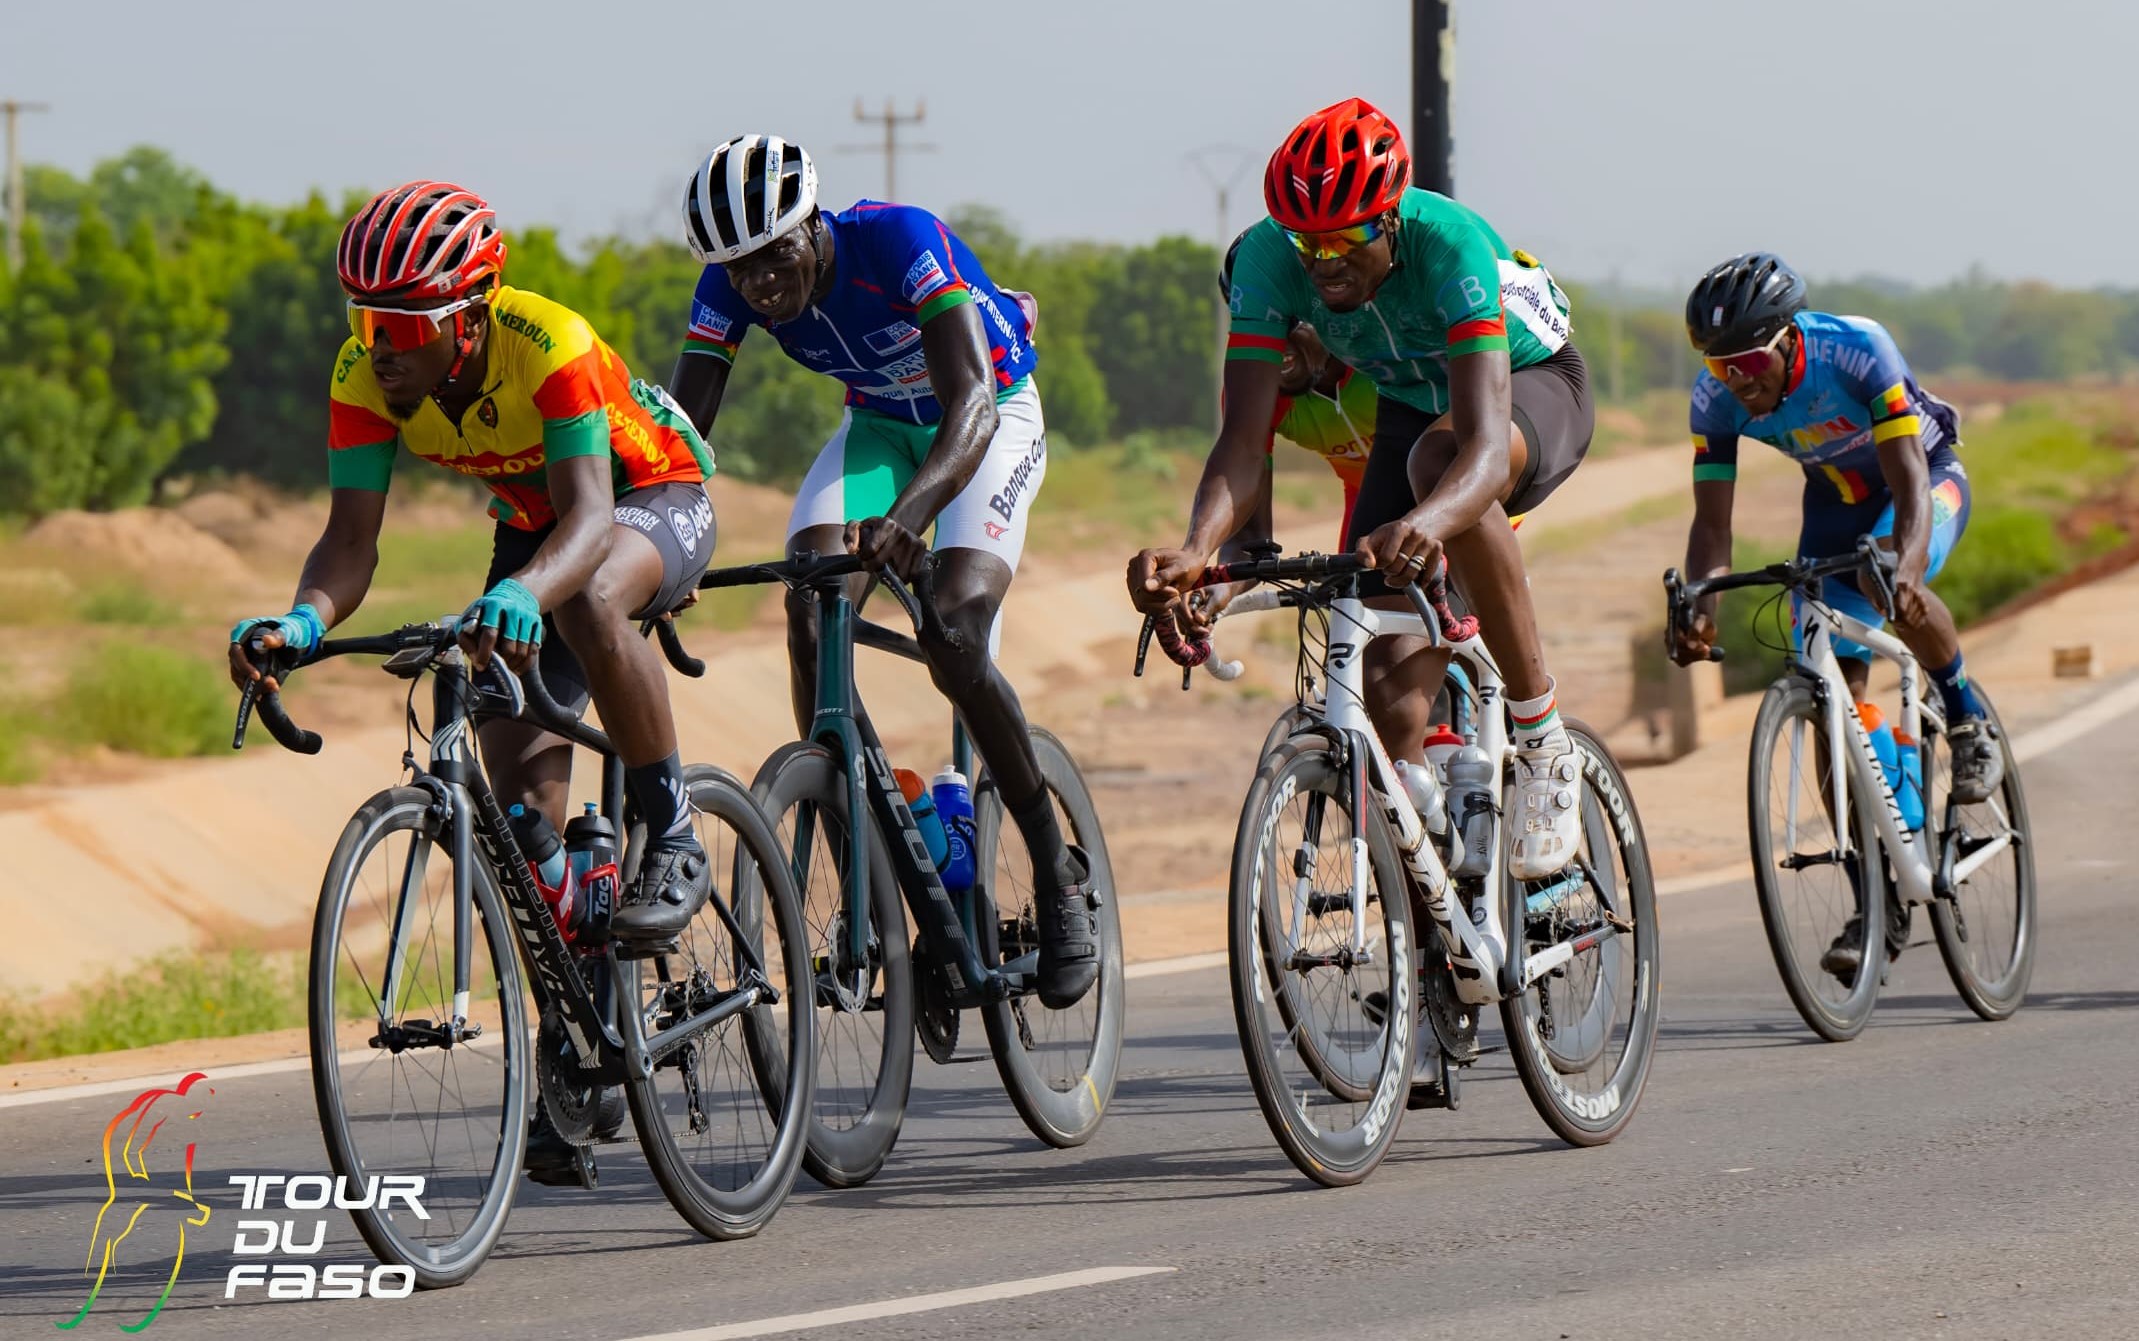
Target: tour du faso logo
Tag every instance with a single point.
(127, 1143)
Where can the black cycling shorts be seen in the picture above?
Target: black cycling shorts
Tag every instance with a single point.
(677, 518)
(1549, 402)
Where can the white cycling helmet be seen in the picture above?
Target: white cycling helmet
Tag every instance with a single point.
(746, 193)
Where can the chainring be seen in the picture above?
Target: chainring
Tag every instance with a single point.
(572, 1101)
(1455, 1025)
(935, 1018)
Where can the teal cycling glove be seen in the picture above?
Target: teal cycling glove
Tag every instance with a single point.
(301, 629)
(511, 609)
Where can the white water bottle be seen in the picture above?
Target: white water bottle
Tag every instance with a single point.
(1424, 789)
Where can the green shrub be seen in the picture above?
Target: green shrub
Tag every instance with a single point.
(1752, 626)
(146, 700)
(172, 997)
(2006, 551)
(127, 603)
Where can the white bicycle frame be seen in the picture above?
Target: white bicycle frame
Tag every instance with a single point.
(1477, 944)
(1914, 857)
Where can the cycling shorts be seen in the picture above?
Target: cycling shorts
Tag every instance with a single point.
(1549, 401)
(873, 456)
(1830, 528)
(677, 518)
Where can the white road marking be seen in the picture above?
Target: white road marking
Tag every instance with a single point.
(96, 1088)
(2077, 723)
(1159, 968)
(920, 1303)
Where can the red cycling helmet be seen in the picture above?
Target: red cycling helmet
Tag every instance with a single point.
(1342, 166)
(420, 240)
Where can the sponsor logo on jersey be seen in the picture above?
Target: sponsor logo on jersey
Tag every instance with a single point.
(995, 532)
(924, 277)
(1005, 503)
(1848, 358)
(692, 525)
(349, 360)
(487, 413)
(1813, 436)
(892, 338)
(707, 322)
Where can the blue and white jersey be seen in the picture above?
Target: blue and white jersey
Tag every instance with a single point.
(894, 267)
(1848, 391)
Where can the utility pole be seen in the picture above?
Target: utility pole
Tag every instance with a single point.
(1207, 161)
(891, 121)
(1433, 70)
(17, 207)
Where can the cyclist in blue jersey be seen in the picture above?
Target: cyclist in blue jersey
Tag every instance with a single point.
(1879, 455)
(942, 426)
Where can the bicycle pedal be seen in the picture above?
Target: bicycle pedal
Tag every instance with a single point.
(648, 949)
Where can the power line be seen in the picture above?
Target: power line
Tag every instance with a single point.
(891, 120)
(1221, 167)
(17, 207)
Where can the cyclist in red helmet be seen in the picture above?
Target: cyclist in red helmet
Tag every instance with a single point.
(598, 485)
(1483, 410)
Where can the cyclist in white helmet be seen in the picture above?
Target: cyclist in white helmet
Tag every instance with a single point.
(942, 426)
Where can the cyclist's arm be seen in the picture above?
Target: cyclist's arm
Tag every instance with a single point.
(1235, 487)
(962, 375)
(1261, 525)
(1908, 477)
(1482, 410)
(697, 384)
(337, 573)
(1708, 541)
(584, 497)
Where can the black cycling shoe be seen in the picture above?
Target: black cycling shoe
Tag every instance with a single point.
(610, 1114)
(1978, 763)
(1068, 914)
(552, 1160)
(1843, 957)
(673, 885)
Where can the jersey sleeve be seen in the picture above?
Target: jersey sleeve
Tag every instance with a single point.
(360, 440)
(914, 245)
(1259, 300)
(1468, 297)
(719, 316)
(1715, 433)
(569, 396)
(1884, 385)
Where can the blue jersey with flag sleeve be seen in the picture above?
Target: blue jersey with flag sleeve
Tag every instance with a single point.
(1849, 390)
(894, 267)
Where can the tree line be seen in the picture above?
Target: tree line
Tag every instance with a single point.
(160, 327)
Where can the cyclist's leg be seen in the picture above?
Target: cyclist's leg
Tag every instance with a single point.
(1402, 674)
(527, 765)
(980, 535)
(664, 536)
(857, 474)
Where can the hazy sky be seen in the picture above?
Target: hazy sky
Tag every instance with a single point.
(1905, 137)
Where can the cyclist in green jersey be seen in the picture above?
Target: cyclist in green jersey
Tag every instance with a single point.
(1484, 410)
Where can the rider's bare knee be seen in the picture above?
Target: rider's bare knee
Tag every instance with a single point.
(958, 650)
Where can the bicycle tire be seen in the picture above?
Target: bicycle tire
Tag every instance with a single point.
(1331, 1156)
(1793, 699)
(1059, 1067)
(862, 1080)
(772, 1061)
(466, 1209)
(1580, 1043)
(1957, 932)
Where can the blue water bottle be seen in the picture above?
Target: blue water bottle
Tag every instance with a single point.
(1886, 747)
(954, 805)
(1911, 791)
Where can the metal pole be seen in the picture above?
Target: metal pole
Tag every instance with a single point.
(891, 121)
(17, 207)
(1204, 160)
(1225, 307)
(1433, 70)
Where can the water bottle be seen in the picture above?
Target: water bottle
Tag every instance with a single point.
(1886, 749)
(926, 819)
(539, 843)
(1440, 743)
(590, 850)
(1911, 791)
(1471, 776)
(1423, 786)
(954, 806)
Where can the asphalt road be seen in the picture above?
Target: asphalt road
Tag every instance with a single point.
(1937, 1177)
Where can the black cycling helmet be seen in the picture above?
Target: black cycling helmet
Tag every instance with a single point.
(1742, 303)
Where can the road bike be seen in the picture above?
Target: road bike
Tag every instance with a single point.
(976, 949)
(1347, 928)
(1973, 865)
(431, 932)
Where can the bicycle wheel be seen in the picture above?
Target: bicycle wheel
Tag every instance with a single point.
(1986, 931)
(724, 1116)
(1294, 844)
(864, 1003)
(1809, 887)
(1583, 1035)
(1058, 1066)
(392, 1100)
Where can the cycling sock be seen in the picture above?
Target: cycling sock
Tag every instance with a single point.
(1535, 718)
(658, 788)
(1043, 833)
(1954, 689)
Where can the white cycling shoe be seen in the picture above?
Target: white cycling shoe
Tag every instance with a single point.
(1547, 823)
